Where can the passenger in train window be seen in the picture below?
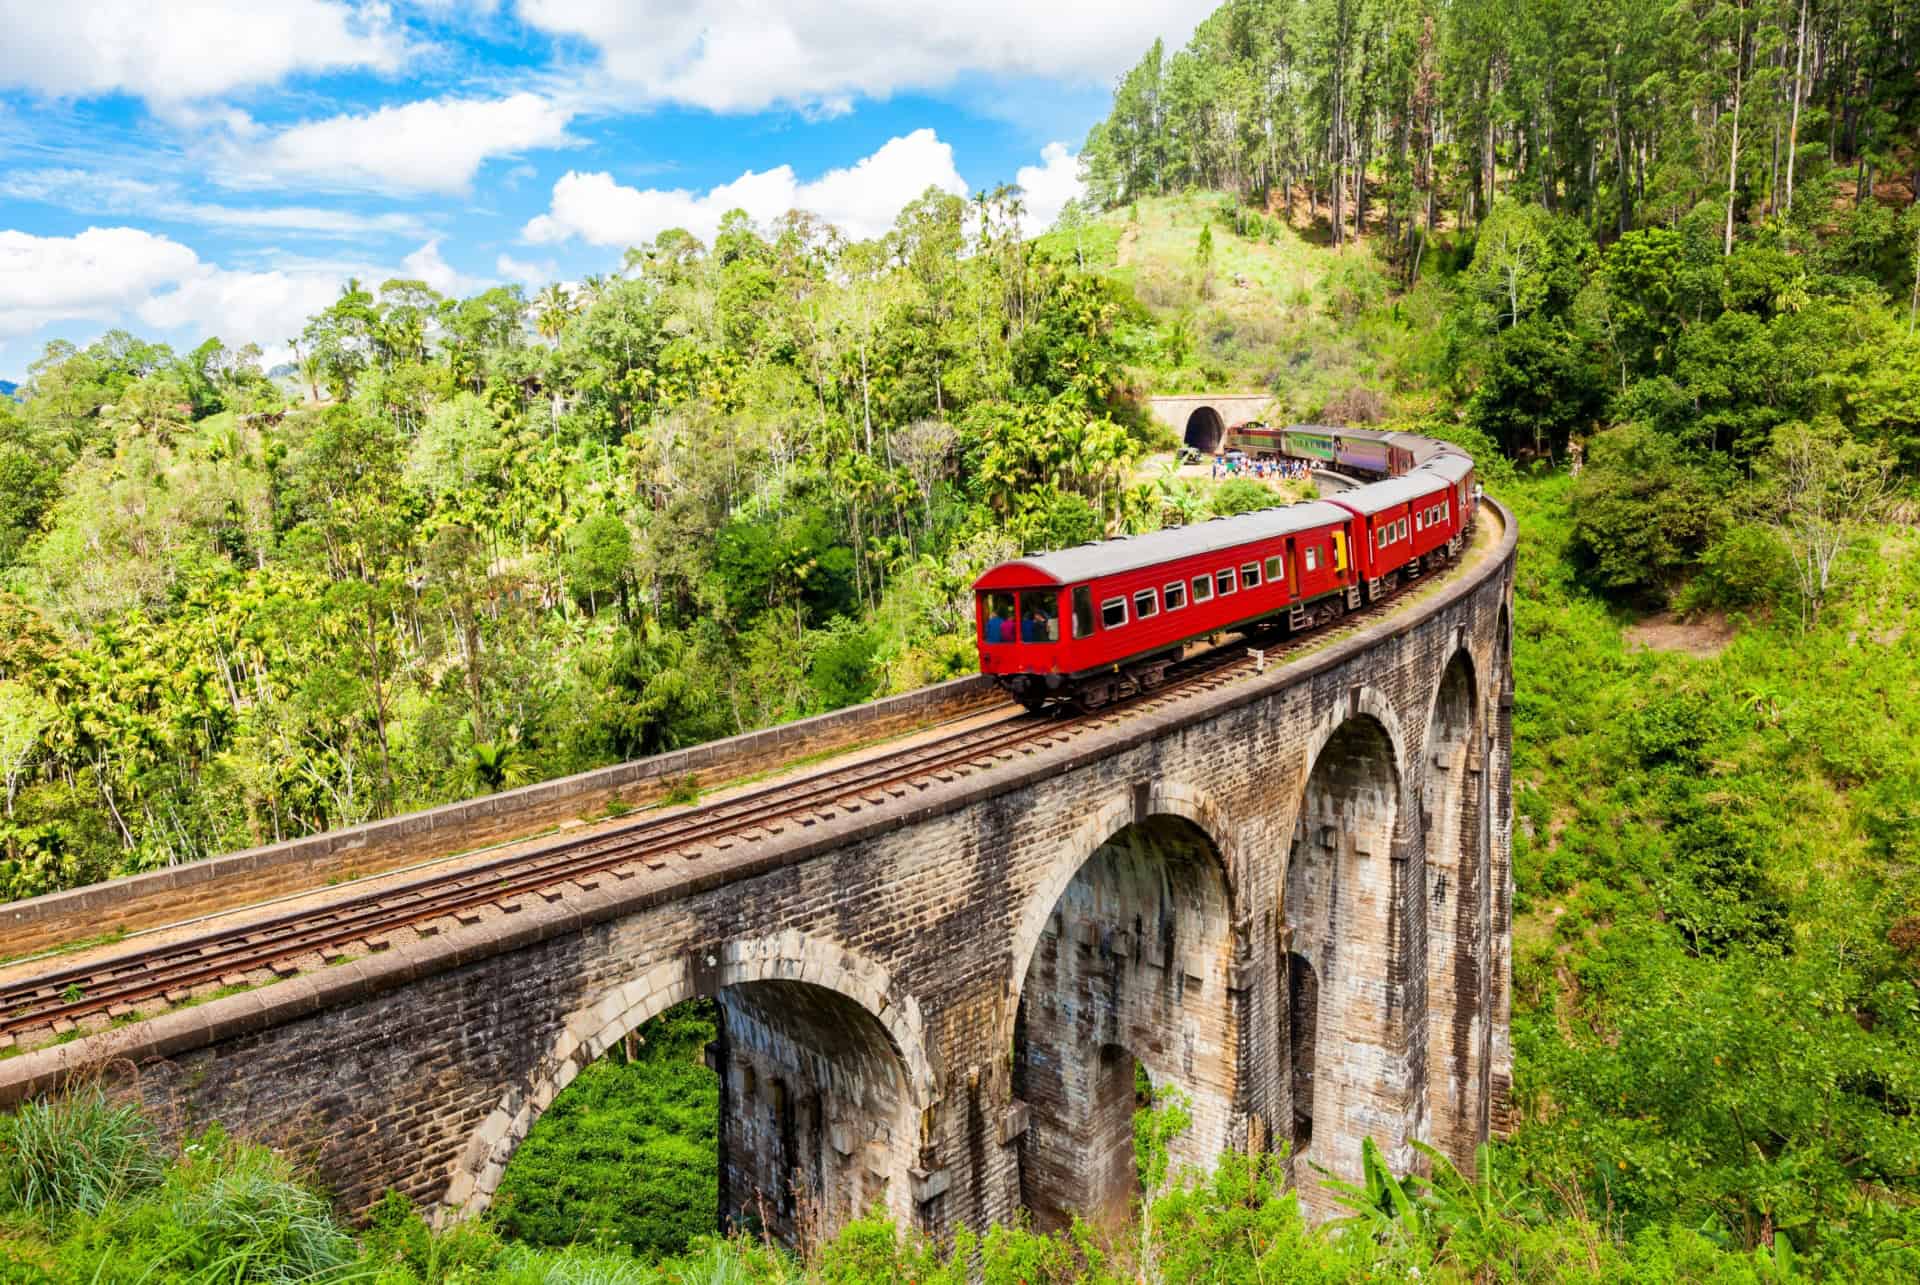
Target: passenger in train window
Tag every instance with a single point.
(1000, 617)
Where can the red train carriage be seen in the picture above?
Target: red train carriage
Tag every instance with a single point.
(1450, 463)
(1402, 525)
(1090, 621)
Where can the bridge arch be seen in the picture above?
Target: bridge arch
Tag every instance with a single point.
(1206, 430)
(1125, 973)
(1341, 907)
(840, 1126)
(1459, 909)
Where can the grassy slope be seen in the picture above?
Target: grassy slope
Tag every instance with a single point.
(1314, 325)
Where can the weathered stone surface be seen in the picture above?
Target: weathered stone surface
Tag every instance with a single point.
(1288, 898)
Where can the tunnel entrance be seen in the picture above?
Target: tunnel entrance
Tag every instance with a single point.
(1206, 431)
(1339, 898)
(1127, 986)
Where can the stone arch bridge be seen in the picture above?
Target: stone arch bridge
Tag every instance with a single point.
(1201, 420)
(1289, 897)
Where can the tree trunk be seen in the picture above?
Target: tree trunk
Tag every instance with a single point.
(1733, 153)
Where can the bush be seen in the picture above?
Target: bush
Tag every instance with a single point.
(1746, 567)
(1240, 495)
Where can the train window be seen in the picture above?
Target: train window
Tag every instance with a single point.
(1223, 582)
(1380, 536)
(1082, 612)
(1403, 530)
(1175, 595)
(1313, 559)
(1146, 604)
(1039, 616)
(1113, 613)
(1202, 588)
(1275, 570)
(999, 624)
(1250, 575)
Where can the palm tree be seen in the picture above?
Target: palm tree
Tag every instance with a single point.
(308, 364)
(592, 288)
(552, 310)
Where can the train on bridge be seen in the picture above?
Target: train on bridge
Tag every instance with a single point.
(1103, 620)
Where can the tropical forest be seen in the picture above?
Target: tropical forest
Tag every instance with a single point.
(1655, 267)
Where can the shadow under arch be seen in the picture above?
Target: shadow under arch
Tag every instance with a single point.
(824, 1080)
(1343, 929)
(1459, 911)
(1206, 431)
(1131, 960)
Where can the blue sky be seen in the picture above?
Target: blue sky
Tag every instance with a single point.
(194, 167)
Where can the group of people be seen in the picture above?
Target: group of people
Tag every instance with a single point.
(1259, 470)
(1039, 623)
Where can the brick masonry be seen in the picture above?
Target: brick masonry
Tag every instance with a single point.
(937, 1003)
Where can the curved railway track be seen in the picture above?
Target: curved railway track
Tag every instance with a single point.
(116, 988)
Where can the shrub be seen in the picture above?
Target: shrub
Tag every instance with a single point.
(1241, 495)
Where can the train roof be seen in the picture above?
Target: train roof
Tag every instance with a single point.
(1135, 552)
(1376, 496)
(1450, 463)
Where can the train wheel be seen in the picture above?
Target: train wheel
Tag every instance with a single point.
(1034, 704)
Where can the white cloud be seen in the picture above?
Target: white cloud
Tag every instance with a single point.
(187, 49)
(528, 274)
(434, 145)
(265, 308)
(1048, 186)
(425, 264)
(861, 200)
(109, 275)
(90, 192)
(95, 276)
(746, 55)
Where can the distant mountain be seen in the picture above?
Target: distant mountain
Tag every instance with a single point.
(285, 370)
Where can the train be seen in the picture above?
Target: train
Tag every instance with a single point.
(1363, 453)
(1100, 621)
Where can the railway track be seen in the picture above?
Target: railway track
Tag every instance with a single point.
(57, 1002)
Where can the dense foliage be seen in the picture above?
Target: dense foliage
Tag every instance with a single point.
(491, 540)
(627, 1154)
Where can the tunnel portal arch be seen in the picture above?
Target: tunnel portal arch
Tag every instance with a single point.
(1206, 431)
